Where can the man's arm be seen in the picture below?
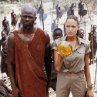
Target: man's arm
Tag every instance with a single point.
(11, 64)
(11, 58)
(48, 57)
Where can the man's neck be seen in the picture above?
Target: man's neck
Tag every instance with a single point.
(28, 31)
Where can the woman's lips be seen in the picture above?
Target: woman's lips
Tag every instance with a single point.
(70, 32)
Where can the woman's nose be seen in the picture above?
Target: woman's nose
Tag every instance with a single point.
(70, 28)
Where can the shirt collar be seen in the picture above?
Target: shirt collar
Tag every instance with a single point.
(80, 40)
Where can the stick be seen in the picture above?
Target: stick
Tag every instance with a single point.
(95, 74)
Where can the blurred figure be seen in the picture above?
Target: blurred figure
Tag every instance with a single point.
(81, 33)
(5, 25)
(4, 53)
(54, 25)
(59, 12)
(71, 10)
(56, 34)
(13, 19)
(80, 9)
(41, 13)
(93, 43)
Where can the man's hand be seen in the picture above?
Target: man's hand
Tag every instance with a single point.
(16, 92)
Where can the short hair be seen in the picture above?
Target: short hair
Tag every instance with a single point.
(28, 8)
(57, 29)
(57, 33)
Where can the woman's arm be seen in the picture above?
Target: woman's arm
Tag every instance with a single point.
(87, 70)
(88, 77)
(58, 60)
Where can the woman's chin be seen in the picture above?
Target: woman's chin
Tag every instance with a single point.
(70, 35)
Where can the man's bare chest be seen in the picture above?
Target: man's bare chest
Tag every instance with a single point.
(26, 37)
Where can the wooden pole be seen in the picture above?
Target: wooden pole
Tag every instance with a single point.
(92, 45)
(42, 14)
(95, 75)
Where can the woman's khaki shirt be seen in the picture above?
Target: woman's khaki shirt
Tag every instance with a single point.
(75, 61)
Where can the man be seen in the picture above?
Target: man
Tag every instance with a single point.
(57, 33)
(13, 19)
(26, 54)
(5, 25)
(81, 33)
(71, 10)
(59, 12)
(4, 52)
(93, 43)
(54, 25)
(80, 9)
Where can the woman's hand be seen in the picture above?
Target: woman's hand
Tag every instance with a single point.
(61, 55)
(90, 93)
(58, 60)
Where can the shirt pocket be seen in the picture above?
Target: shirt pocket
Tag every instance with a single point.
(81, 50)
(80, 53)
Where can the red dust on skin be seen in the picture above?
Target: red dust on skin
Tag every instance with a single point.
(70, 33)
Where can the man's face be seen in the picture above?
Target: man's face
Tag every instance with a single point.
(94, 28)
(27, 20)
(57, 34)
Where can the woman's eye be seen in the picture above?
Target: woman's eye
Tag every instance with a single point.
(70, 26)
(73, 26)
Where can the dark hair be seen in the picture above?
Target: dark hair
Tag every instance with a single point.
(57, 29)
(57, 32)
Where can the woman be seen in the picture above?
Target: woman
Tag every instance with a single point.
(73, 69)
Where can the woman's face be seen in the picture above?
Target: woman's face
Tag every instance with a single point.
(71, 27)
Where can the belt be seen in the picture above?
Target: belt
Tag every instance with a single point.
(68, 71)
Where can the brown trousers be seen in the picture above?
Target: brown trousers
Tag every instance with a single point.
(70, 82)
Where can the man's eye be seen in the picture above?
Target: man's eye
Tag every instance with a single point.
(24, 16)
(30, 17)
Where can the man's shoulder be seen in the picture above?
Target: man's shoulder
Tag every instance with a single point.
(11, 39)
(12, 34)
(42, 31)
(39, 29)
(44, 34)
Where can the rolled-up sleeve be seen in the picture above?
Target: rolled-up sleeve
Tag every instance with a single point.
(54, 46)
(87, 50)
(55, 43)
